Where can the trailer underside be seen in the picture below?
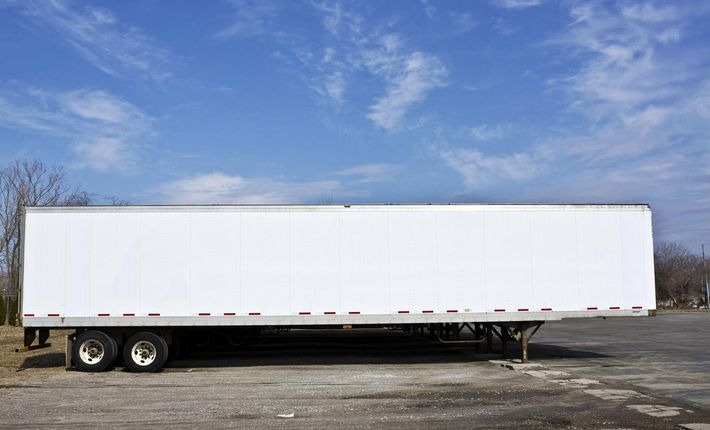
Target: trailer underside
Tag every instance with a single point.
(181, 339)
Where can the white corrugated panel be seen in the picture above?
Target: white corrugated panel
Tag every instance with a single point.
(285, 261)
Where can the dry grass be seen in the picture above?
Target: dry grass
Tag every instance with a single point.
(15, 363)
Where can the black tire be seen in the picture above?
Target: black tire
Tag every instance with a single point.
(145, 352)
(115, 350)
(93, 351)
(174, 349)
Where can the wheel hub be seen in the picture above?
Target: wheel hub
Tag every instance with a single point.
(91, 351)
(143, 353)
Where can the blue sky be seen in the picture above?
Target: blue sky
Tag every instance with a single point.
(397, 101)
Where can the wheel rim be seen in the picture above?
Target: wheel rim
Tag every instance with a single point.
(143, 353)
(91, 351)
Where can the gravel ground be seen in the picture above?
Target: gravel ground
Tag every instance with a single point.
(380, 379)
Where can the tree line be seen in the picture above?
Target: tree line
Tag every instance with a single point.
(679, 273)
(680, 277)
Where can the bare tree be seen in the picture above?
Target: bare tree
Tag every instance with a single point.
(678, 275)
(28, 183)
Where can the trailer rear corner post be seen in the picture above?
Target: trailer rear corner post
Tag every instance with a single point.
(31, 335)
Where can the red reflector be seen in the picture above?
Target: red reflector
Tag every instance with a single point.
(354, 312)
(304, 313)
(402, 312)
(204, 314)
(29, 315)
(452, 310)
(254, 313)
(52, 315)
(229, 314)
(104, 315)
(328, 313)
(499, 310)
(153, 315)
(546, 309)
(592, 308)
(614, 308)
(427, 312)
(129, 315)
(523, 310)
(636, 307)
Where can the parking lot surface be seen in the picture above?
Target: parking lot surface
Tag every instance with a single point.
(605, 374)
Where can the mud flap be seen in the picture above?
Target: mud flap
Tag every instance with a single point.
(68, 352)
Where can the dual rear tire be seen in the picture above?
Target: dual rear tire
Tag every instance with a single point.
(145, 352)
(95, 351)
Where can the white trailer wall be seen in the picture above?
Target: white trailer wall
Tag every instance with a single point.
(334, 264)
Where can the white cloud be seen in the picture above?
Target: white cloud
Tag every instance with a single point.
(369, 173)
(218, 187)
(650, 13)
(352, 46)
(409, 80)
(104, 130)
(485, 132)
(516, 4)
(622, 70)
(479, 170)
(251, 18)
(97, 35)
(103, 153)
(101, 106)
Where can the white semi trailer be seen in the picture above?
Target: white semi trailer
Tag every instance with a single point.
(142, 280)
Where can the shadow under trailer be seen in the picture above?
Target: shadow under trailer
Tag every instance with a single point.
(149, 281)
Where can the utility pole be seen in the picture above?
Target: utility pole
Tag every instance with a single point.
(705, 275)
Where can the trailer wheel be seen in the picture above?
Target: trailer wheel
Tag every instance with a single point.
(145, 352)
(93, 351)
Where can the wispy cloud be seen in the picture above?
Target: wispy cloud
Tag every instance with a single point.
(516, 4)
(101, 39)
(351, 52)
(219, 187)
(485, 132)
(250, 18)
(369, 173)
(479, 170)
(409, 80)
(102, 129)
